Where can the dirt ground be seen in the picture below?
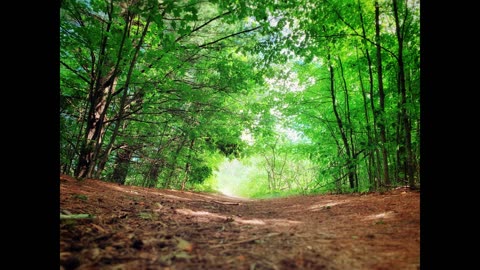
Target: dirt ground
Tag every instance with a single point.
(125, 227)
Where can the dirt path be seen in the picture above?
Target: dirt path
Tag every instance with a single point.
(140, 228)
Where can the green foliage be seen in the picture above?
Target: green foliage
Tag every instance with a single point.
(80, 197)
(181, 81)
(208, 185)
(199, 174)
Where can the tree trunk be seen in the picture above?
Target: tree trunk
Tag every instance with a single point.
(95, 128)
(123, 102)
(174, 163)
(152, 175)
(401, 153)
(102, 83)
(403, 102)
(122, 164)
(351, 177)
(369, 152)
(188, 164)
(373, 137)
(375, 152)
(381, 94)
(349, 129)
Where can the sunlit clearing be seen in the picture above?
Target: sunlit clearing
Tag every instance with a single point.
(284, 222)
(231, 175)
(255, 221)
(388, 214)
(198, 213)
(317, 207)
(213, 215)
(247, 137)
(251, 221)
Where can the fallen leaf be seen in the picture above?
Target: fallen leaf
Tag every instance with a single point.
(76, 216)
(184, 244)
(80, 197)
(66, 212)
(145, 215)
(182, 255)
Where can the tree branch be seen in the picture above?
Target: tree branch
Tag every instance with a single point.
(205, 24)
(74, 71)
(229, 36)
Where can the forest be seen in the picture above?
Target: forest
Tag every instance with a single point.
(250, 98)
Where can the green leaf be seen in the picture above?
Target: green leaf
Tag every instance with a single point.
(76, 216)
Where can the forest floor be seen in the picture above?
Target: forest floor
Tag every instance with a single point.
(145, 228)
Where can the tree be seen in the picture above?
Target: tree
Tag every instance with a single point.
(132, 56)
(319, 36)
